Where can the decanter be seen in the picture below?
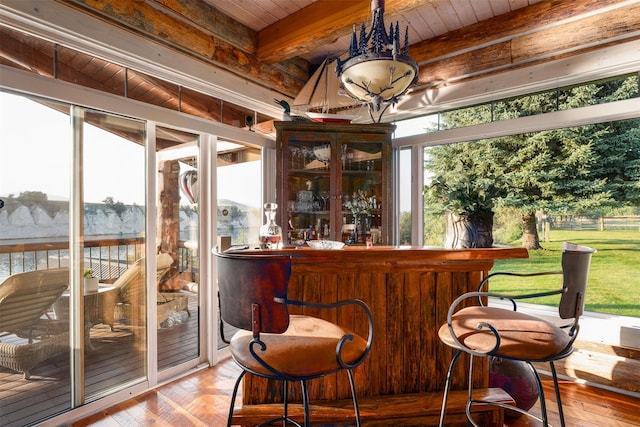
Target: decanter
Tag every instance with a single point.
(270, 232)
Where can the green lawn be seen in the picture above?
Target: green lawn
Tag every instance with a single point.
(614, 278)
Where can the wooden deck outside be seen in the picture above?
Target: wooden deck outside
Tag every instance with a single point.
(112, 360)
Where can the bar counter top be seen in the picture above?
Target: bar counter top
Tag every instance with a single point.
(404, 252)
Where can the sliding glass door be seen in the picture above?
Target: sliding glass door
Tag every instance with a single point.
(177, 283)
(113, 177)
(76, 238)
(35, 176)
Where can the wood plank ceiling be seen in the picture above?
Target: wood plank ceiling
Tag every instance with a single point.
(277, 43)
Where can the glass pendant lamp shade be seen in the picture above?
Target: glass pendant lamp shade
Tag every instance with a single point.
(377, 79)
(378, 71)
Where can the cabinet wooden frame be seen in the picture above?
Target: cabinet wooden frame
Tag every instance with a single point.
(371, 174)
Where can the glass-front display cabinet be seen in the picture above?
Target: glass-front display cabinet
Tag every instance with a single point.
(334, 182)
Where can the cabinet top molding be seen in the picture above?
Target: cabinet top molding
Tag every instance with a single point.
(386, 128)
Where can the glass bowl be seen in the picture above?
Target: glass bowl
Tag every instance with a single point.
(325, 244)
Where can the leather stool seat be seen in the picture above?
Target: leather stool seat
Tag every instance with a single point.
(522, 336)
(306, 349)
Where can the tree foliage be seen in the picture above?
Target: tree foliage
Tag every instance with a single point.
(32, 198)
(118, 207)
(575, 170)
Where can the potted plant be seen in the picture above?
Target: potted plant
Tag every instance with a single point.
(90, 282)
(469, 207)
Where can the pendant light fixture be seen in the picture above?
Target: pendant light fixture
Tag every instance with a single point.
(378, 71)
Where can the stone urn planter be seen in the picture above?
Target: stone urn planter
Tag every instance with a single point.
(469, 230)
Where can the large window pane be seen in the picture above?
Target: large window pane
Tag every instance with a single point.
(576, 184)
(35, 143)
(239, 193)
(405, 187)
(114, 228)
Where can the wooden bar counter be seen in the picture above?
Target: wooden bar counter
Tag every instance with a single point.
(409, 290)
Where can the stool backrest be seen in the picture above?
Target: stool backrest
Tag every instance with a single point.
(576, 260)
(252, 289)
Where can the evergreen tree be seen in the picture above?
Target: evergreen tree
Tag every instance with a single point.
(562, 171)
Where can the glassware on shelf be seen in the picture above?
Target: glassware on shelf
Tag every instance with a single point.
(270, 233)
(325, 196)
(323, 154)
(334, 178)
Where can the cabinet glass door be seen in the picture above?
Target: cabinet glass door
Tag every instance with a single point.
(334, 182)
(311, 166)
(361, 192)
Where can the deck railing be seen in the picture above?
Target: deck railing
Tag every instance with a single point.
(107, 257)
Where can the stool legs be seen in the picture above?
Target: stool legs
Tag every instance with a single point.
(354, 397)
(557, 390)
(305, 402)
(470, 401)
(233, 398)
(447, 387)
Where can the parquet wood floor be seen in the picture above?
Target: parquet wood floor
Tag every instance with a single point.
(202, 399)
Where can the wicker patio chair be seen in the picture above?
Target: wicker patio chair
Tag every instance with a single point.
(25, 299)
(131, 296)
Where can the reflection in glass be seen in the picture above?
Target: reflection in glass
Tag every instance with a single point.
(239, 185)
(114, 229)
(178, 267)
(34, 237)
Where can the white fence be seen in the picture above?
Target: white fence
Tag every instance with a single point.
(631, 222)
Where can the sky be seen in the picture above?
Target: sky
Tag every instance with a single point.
(43, 153)
(39, 154)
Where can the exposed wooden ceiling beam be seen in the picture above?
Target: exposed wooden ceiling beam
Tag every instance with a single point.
(511, 41)
(502, 27)
(317, 24)
(540, 32)
(211, 20)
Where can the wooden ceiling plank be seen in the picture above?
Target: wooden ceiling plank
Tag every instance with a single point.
(165, 28)
(433, 21)
(421, 27)
(611, 25)
(465, 12)
(209, 18)
(480, 61)
(517, 4)
(500, 6)
(296, 33)
(482, 9)
(318, 23)
(449, 16)
(35, 59)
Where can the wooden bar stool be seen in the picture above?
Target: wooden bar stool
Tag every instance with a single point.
(483, 331)
(273, 344)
